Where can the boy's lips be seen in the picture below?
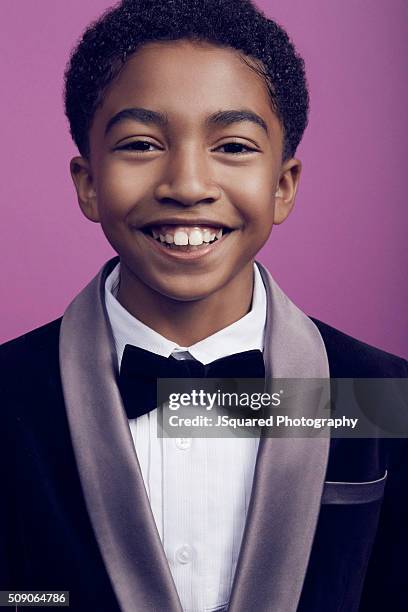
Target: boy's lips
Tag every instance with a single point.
(187, 252)
(172, 222)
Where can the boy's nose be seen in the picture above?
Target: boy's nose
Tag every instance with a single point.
(186, 180)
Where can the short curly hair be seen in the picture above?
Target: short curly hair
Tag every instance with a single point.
(108, 42)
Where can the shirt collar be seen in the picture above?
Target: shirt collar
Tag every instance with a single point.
(245, 334)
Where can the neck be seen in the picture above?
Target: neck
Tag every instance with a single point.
(187, 322)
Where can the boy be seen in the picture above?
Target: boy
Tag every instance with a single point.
(187, 116)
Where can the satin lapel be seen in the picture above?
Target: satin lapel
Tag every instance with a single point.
(289, 474)
(111, 479)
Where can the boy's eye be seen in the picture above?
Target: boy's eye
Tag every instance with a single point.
(139, 146)
(144, 146)
(236, 148)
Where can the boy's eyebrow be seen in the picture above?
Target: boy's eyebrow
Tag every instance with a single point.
(236, 116)
(145, 115)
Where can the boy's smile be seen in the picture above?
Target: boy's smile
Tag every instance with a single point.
(186, 177)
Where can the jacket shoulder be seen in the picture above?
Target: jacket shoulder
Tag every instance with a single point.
(350, 357)
(40, 341)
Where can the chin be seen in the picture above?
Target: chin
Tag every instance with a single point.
(183, 293)
(187, 287)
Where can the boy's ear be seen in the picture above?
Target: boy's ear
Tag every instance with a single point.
(83, 180)
(286, 190)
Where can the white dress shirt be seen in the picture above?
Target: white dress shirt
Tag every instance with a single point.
(199, 488)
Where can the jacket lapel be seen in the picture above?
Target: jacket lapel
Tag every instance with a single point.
(289, 474)
(288, 480)
(110, 475)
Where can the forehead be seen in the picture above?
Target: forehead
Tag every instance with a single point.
(187, 80)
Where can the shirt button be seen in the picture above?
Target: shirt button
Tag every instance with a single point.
(183, 443)
(184, 554)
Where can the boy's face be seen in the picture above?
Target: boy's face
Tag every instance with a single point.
(186, 164)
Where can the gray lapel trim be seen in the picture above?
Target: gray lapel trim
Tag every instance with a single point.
(289, 474)
(109, 471)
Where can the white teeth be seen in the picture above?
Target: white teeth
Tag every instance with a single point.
(185, 236)
(195, 237)
(180, 238)
(209, 237)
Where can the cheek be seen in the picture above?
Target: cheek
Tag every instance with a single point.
(119, 189)
(255, 199)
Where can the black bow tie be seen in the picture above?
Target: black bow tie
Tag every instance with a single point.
(140, 370)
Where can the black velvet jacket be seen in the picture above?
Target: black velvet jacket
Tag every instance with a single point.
(358, 558)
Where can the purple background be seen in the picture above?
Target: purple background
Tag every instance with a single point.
(341, 256)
